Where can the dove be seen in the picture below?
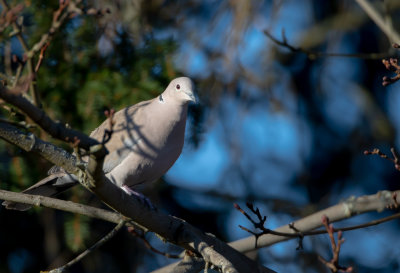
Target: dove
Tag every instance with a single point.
(147, 139)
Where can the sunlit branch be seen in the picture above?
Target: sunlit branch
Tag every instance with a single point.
(346, 209)
(296, 233)
(386, 27)
(63, 205)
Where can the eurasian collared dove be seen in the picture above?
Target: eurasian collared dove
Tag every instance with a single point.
(147, 140)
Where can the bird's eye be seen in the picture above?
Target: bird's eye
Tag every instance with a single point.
(178, 86)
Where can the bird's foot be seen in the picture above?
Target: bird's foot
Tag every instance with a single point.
(146, 201)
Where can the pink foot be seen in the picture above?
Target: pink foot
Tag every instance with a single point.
(146, 201)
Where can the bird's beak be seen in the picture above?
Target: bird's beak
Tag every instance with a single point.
(192, 97)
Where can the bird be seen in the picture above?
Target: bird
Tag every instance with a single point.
(146, 140)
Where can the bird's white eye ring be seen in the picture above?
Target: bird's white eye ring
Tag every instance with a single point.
(178, 87)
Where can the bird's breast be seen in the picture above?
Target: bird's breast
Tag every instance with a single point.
(151, 155)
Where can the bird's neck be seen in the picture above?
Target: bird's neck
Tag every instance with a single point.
(171, 106)
(167, 99)
(172, 115)
(161, 98)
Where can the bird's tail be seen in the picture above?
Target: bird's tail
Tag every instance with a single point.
(45, 187)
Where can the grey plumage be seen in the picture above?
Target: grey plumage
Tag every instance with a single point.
(147, 140)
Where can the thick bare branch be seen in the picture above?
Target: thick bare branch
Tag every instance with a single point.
(260, 224)
(352, 206)
(30, 143)
(170, 228)
(56, 130)
(63, 205)
(177, 231)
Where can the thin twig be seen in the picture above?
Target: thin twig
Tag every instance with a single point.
(56, 130)
(9, 15)
(301, 234)
(395, 158)
(333, 264)
(58, 19)
(108, 132)
(18, 32)
(391, 64)
(315, 54)
(140, 235)
(41, 56)
(103, 240)
(17, 74)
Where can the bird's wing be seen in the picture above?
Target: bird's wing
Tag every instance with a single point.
(49, 186)
(125, 134)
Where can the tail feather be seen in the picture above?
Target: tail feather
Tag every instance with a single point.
(48, 186)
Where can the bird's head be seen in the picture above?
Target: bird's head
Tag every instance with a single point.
(182, 89)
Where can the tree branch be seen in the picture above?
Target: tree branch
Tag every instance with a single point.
(352, 206)
(170, 228)
(56, 130)
(98, 244)
(30, 143)
(24, 44)
(379, 21)
(317, 54)
(63, 205)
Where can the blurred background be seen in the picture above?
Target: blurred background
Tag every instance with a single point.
(282, 129)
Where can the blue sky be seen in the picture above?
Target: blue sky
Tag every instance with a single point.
(271, 145)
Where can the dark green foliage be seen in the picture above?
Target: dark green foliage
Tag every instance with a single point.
(77, 231)
(76, 82)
